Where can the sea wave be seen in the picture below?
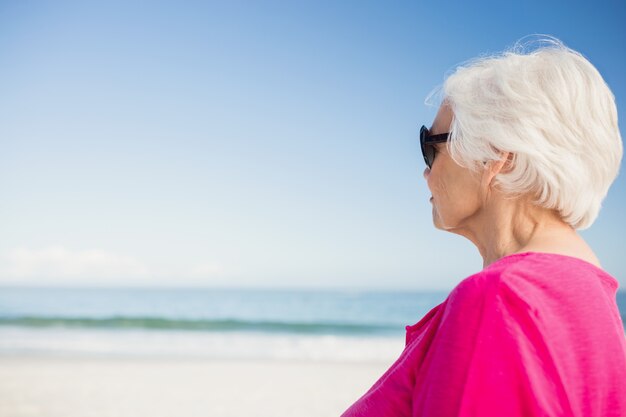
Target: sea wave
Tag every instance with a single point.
(210, 325)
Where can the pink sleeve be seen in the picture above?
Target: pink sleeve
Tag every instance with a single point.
(487, 358)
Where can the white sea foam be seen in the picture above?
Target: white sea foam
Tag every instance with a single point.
(216, 345)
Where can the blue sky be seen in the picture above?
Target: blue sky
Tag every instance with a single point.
(250, 144)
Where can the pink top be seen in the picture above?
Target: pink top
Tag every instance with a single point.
(533, 334)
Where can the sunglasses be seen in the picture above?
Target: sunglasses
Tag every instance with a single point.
(427, 142)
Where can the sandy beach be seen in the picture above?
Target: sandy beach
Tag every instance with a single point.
(92, 386)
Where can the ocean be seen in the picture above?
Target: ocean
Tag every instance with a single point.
(213, 323)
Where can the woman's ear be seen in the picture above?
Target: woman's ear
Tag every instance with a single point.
(493, 168)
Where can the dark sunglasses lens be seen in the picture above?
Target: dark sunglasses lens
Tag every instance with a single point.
(429, 155)
(425, 148)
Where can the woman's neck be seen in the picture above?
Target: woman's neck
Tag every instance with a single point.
(508, 226)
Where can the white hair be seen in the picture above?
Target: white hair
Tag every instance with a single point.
(549, 107)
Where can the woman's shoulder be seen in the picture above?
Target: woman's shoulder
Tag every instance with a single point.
(533, 272)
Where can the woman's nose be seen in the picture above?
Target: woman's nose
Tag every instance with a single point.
(426, 173)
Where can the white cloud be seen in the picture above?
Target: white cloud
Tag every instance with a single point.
(207, 270)
(57, 263)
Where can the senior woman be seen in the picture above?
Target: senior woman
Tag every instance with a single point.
(520, 155)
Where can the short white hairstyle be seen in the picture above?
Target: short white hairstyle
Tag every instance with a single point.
(550, 107)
